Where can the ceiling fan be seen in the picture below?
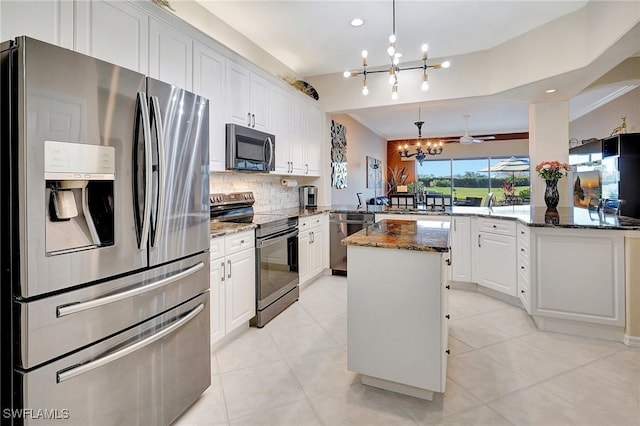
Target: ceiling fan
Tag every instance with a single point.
(466, 139)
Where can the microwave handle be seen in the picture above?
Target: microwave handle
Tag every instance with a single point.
(270, 160)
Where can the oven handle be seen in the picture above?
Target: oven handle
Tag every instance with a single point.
(62, 311)
(81, 369)
(269, 241)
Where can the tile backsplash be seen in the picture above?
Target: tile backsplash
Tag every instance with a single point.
(268, 190)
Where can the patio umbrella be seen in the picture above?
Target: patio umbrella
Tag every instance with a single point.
(513, 165)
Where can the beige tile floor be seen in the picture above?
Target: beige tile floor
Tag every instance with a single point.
(502, 371)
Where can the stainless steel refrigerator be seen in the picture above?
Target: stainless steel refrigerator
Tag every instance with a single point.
(104, 231)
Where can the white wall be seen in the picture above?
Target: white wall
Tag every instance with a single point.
(600, 122)
(361, 142)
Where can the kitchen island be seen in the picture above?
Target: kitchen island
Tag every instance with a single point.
(397, 306)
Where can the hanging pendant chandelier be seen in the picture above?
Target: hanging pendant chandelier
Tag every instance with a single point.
(395, 68)
(431, 148)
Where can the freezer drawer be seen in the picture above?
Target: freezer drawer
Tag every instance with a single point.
(56, 325)
(147, 375)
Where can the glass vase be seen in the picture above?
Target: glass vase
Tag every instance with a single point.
(551, 196)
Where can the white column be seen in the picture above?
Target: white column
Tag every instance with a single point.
(549, 141)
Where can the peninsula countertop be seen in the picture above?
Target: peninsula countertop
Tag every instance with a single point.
(401, 234)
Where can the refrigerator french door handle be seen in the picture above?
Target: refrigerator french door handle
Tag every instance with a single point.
(155, 107)
(146, 130)
(73, 308)
(73, 372)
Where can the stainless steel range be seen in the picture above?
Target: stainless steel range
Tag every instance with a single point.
(277, 275)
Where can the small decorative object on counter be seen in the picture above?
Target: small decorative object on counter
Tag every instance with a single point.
(621, 128)
(552, 216)
(551, 171)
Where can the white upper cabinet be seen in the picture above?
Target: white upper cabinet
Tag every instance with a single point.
(170, 55)
(50, 21)
(314, 136)
(280, 125)
(116, 32)
(247, 98)
(209, 81)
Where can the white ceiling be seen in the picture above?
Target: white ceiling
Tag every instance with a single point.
(314, 37)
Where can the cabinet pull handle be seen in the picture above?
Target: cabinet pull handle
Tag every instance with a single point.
(248, 119)
(253, 120)
(306, 169)
(448, 352)
(448, 287)
(521, 249)
(479, 241)
(447, 316)
(241, 241)
(223, 271)
(448, 262)
(521, 291)
(229, 273)
(455, 224)
(494, 226)
(522, 267)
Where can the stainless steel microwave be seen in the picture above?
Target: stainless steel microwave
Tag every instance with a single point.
(249, 149)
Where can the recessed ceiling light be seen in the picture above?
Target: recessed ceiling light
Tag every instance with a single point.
(551, 90)
(357, 22)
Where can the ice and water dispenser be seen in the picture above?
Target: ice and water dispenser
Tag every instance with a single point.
(79, 196)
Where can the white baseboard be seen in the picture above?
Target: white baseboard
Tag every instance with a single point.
(631, 340)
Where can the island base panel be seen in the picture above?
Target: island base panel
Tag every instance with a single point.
(398, 387)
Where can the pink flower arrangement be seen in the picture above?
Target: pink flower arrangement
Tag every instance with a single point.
(552, 170)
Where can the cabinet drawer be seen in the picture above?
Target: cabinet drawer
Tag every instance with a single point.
(303, 223)
(237, 242)
(315, 221)
(497, 226)
(216, 247)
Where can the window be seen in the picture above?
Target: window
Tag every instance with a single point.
(466, 182)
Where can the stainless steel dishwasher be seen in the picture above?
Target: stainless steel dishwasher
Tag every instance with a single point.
(341, 225)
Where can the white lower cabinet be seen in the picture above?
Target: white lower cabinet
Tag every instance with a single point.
(494, 252)
(233, 282)
(524, 270)
(461, 249)
(312, 244)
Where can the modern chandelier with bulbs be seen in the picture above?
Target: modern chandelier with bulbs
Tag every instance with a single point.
(421, 153)
(395, 68)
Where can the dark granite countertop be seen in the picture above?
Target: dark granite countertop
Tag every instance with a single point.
(401, 234)
(218, 229)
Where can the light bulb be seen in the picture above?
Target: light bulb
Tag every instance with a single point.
(392, 38)
(418, 144)
(365, 53)
(446, 64)
(424, 47)
(392, 79)
(391, 50)
(347, 74)
(425, 86)
(406, 146)
(396, 60)
(365, 90)
(394, 95)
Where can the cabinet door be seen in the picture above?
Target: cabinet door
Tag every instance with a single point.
(209, 81)
(50, 21)
(217, 298)
(238, 99)
(240, 289)
(298, 145)
(280, 115)
(260, 93)
(116, 32)
(461, 249)
(170, 55)
(304, 253)
(496, 262)
(317, 250)
(314, 120)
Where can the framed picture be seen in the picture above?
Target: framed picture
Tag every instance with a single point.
(374, 173)
(587, 188)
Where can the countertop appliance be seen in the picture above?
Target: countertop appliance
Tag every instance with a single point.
(308, 196)
(341, 225)
(250, 150)
(277, 275)
(104, 230)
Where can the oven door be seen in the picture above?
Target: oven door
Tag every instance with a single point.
(277, 257)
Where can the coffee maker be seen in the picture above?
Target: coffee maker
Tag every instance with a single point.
(308, 197)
